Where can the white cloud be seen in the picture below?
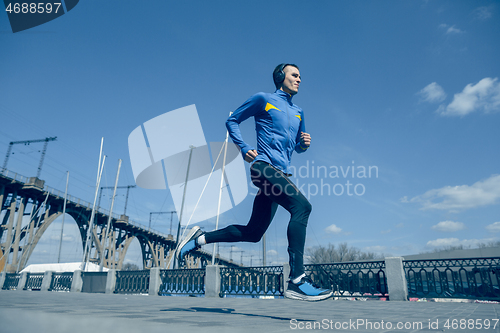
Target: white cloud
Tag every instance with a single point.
(385, 231)
(450, 29)
(333, 229)
(432, 93)
(453, 30)
(444, 242)
(448, 226)
(484, 95)
(376, 249)
(483, 13)
(481, 193)
(494, 227)
(272, 252)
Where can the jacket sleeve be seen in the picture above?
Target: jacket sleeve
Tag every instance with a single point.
(250, 108)
(302, 128)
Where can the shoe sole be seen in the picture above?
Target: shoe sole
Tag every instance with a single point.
(302, 297)
(185, 241)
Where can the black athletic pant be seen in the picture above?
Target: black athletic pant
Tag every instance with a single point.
(274, 189)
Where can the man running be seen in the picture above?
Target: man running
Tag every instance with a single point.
(280, 131)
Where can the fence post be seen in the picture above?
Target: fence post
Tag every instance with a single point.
(77, 284)
(212, 281)
(22, 281)
(111, 281)
(286, 275)
(47, 281)
(154, 281)
(3, 275)
(396, 279)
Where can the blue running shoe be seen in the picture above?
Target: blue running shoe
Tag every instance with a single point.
(189, 244)
(305, 290)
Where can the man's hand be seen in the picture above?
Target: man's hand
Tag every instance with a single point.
(305, 140)
(251, 155)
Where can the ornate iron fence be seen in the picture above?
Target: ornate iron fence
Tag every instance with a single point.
(132, 282)
(61, 281)
(182, 281)
(11, 281)
(351, 279)
(34, 281)
(474, 278)
(251, 281)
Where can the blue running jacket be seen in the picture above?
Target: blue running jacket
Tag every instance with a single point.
(278, 123)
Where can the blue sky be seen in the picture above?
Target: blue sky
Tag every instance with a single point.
(409, 88)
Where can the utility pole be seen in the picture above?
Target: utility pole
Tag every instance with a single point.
(191, 147)
(27, 142)
(160, 213)
(241, 253)
(126, 197)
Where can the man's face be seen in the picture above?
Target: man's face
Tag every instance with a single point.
(292, 80)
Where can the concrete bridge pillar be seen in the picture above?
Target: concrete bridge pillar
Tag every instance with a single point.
(8, 241)
(17, 234)
(2, 191)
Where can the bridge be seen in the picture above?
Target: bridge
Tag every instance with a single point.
(21, 196)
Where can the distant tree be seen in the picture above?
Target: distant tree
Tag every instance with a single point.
(340, 253)
(130, 267)
(489, 244)
(463, 247)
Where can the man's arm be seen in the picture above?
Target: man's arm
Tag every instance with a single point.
(251, 107)
(303, 138)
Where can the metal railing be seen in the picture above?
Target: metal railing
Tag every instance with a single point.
(14, 176)
(182, 281)
(475, 278)
(251, 281)
(351, 279)
(11, 281)
(61, 281)
(34, 281)
(132, 282)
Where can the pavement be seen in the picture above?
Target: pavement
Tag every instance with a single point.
(36, 311)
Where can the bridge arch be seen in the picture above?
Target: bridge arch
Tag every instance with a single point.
(81, 219)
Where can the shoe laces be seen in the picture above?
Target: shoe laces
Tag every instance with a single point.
(307, 279)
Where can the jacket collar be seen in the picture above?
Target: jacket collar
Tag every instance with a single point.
(284, 95)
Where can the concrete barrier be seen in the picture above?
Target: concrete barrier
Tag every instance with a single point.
(47, 281)
(2, 280)
(154, 281)
(22, 281)
(396, 279)
(77, 284)
(111, 281)
(212, 281)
